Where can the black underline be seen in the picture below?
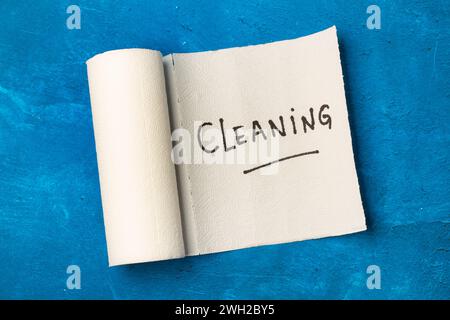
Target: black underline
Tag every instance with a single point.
(282, 159)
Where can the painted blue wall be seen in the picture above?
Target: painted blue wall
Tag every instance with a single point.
(398, 90)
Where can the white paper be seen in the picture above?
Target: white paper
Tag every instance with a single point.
(137, 176)
(310, 197)
(231, 206)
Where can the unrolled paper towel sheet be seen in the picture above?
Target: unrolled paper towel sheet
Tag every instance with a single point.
(307, 197)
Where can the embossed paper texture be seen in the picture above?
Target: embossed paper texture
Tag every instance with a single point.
(156, 210)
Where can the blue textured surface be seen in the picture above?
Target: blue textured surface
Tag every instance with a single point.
(398, 90)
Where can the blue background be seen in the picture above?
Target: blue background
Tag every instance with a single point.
(398, 91)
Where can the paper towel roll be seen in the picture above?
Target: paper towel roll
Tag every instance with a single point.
(133, 142)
